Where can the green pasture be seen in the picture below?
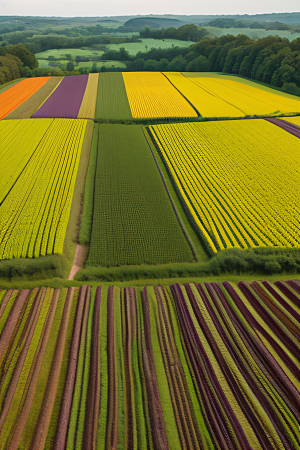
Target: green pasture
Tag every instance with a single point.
(62, 52)
(99, 64)
(253, 33)
(134, 47)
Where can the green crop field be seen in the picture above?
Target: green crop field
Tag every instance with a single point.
(99, 64)
(253, 33)
(134, 47)
(61, 53)
(133, 221)
(112, 101)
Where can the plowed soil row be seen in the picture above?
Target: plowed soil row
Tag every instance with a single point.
(112, 413)
(188, 430)
(65, 410)
(93, 393)
(42, 426)
(159, 435)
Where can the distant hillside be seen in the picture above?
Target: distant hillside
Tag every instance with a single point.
(153, 22)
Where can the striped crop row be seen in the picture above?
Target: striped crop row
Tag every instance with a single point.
(51, 97)
(232, 96)
(37, 184)
(150, 94)
(196, 366)
(238, 180)
(19, 93)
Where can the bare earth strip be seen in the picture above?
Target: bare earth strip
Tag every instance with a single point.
(26, 109)
(65, 410)
(34, 373)
(93, 394)
(22, 357)
(42, 426)
(11, 321)
(81, 254)
(5, 300)
(188, 431)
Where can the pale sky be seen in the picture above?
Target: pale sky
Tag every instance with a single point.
(73, 8)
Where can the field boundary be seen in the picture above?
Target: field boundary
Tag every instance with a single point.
(170, 120)
(173, 204)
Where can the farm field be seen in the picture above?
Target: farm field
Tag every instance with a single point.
(62, 52)
(112, 102)
(133, 219)
(37, 184)
(134, 47)
(99, 64)
(253, 33)
(51, 97)
(234, 197)
(19, 93)
(151, 95)
(183, 366)
(66, 100)
(224, 97)
(294, 120)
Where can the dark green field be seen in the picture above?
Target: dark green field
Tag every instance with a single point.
(133, 221)
(112, 101)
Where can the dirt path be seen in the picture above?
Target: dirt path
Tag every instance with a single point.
(79, 260)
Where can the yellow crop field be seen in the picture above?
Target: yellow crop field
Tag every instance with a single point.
(150, 94)
(207, 104)
(239, 180)
(248, 99)
(41, 159)
(294, 120)
(88, 105)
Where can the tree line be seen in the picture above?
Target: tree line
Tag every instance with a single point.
(271, 60)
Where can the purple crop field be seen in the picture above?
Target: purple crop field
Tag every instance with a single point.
(66, 100)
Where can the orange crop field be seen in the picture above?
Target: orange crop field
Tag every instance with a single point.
(18, 94)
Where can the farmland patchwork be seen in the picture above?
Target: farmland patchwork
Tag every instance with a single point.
(210, 365)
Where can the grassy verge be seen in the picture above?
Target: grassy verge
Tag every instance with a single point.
(88, 202)
(169, 120)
